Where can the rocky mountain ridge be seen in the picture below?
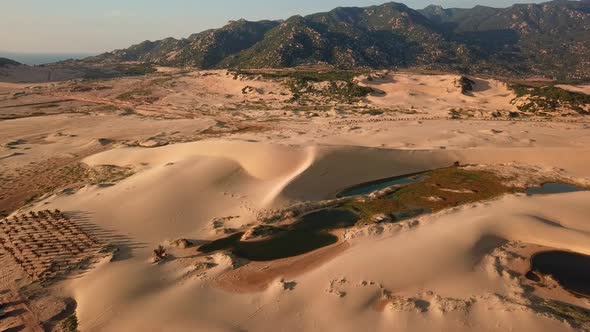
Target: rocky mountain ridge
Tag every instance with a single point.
(550, 39)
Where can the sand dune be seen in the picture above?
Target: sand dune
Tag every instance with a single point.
(461, 273)
(438, 94)
(203, 162)
(439, 273)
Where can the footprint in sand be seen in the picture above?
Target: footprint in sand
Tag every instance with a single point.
(335, 286)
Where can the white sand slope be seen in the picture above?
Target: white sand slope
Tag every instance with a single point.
(438, 94)
(583, 88)
(446, 272)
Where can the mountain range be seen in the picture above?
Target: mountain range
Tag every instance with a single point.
(550, 39)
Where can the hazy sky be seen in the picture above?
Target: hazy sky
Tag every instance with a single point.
(73, 26)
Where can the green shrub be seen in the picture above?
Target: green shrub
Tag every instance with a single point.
(70, 324)
(549, 98)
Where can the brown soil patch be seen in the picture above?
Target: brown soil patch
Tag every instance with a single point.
(18, 315)
(257, 276)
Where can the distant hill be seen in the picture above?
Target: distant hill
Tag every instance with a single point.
(7, 62)
(205, 49)
(550, 39)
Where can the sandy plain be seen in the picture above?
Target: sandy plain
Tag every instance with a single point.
(139, 162)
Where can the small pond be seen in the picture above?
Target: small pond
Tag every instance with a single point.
(419, 193)
(308, 233)
(554, 188)
(571, 270)
(369, 187)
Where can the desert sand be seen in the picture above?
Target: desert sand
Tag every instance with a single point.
(584, 88)
(204, 158)
(438, 95)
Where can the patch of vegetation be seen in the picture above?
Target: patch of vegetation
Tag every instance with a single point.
(69, 324)
(577, 315)
(461, 113)
(455, 114)
(134, 94)
(440, 189)
(159, 254)
(107, 174)
(98, 73)
(340, 91)
(347, 91)
(513, 114)
(107, 108)
(307, 108)
(58, 176)
(220, 130)
(128, 111)
(308, 233)
(166, 81)
(550, 98)
(303, 75)
(137, 70)
(339, 84)
(33, 198)
(373, 112)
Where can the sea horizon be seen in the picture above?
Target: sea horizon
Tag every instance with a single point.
(33, 59)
